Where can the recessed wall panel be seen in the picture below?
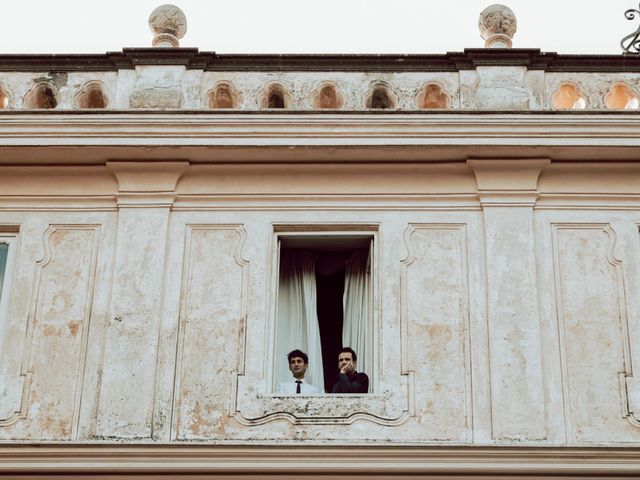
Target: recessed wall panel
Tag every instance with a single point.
(437, 316)
(211, 323)
(593, 330)
(64, 289)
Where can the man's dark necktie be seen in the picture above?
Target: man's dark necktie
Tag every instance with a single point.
(299, 383)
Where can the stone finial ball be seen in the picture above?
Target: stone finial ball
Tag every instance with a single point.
(168, 19)
(497, 20)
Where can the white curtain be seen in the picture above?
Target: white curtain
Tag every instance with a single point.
(357, 330)
(297, 319)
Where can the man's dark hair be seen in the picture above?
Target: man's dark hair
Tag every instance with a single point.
(298, 354)
(349, 350)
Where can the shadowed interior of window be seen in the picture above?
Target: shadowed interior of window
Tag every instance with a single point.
(324, 304)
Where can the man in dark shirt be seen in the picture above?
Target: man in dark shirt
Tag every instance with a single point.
(349, 381)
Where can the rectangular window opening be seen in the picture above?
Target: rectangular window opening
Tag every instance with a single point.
(324, 303)
(7, 254)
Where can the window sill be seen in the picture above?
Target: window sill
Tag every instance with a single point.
(325, 408)
(322, 395)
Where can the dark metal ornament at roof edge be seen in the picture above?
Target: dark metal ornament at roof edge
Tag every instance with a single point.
(631, 43)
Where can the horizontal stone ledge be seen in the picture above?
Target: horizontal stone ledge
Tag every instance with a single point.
(192, 58)
(296, 129)
(41, 459)
(98, 155)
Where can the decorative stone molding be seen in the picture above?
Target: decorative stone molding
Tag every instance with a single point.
(141, 186)
(497, 25)
(433, 96)
(568, 96)
(213, 315)
(91, 95)
(168, 24)
(459, 462)
(194, 59)
(158, 87)
(507, 190)
(449, 365)
(323, 410)
(71, 333)
(507, 182)
(381, 96)
(257, 136)
(4, 98)
(392, 406)
(327, 95)
(223, 95)
(459, 131)
(606, 271)
(504, 89)
(275, 95)
(518, 84)
(43, 95)
(622, 97)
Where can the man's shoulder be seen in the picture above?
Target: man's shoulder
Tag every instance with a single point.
(313, 388)
(362, 379)
(283, 387)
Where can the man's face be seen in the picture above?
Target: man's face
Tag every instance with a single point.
(297, 367)
(344, 359)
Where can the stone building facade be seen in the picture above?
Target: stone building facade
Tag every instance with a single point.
(143, 195)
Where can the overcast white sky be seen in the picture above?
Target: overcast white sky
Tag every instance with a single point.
(305, 26)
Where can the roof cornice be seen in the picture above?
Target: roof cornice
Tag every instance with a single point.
(193, 59)
(311, 136)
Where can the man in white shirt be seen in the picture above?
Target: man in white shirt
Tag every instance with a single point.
(298, 364)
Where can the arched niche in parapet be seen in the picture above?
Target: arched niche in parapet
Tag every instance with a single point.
(568, 96)
(275, 96)
(433, 96)
(327, 96)
(621, 97)
(91, 96)
(381, 97)
(41, 96)
(223, 95)
(4, 98)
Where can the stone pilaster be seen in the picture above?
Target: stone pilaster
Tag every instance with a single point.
(146, 193)
(507, 190)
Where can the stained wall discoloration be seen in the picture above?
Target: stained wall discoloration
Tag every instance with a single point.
(210, 326)
(158, 87)
(593, 326)
(514, 331)
(438, 317)
(57, 333)
(469, 343)
(132, 328)
(486, 88)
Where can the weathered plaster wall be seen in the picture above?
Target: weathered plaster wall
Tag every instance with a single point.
(505, 302)
(511, 88)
